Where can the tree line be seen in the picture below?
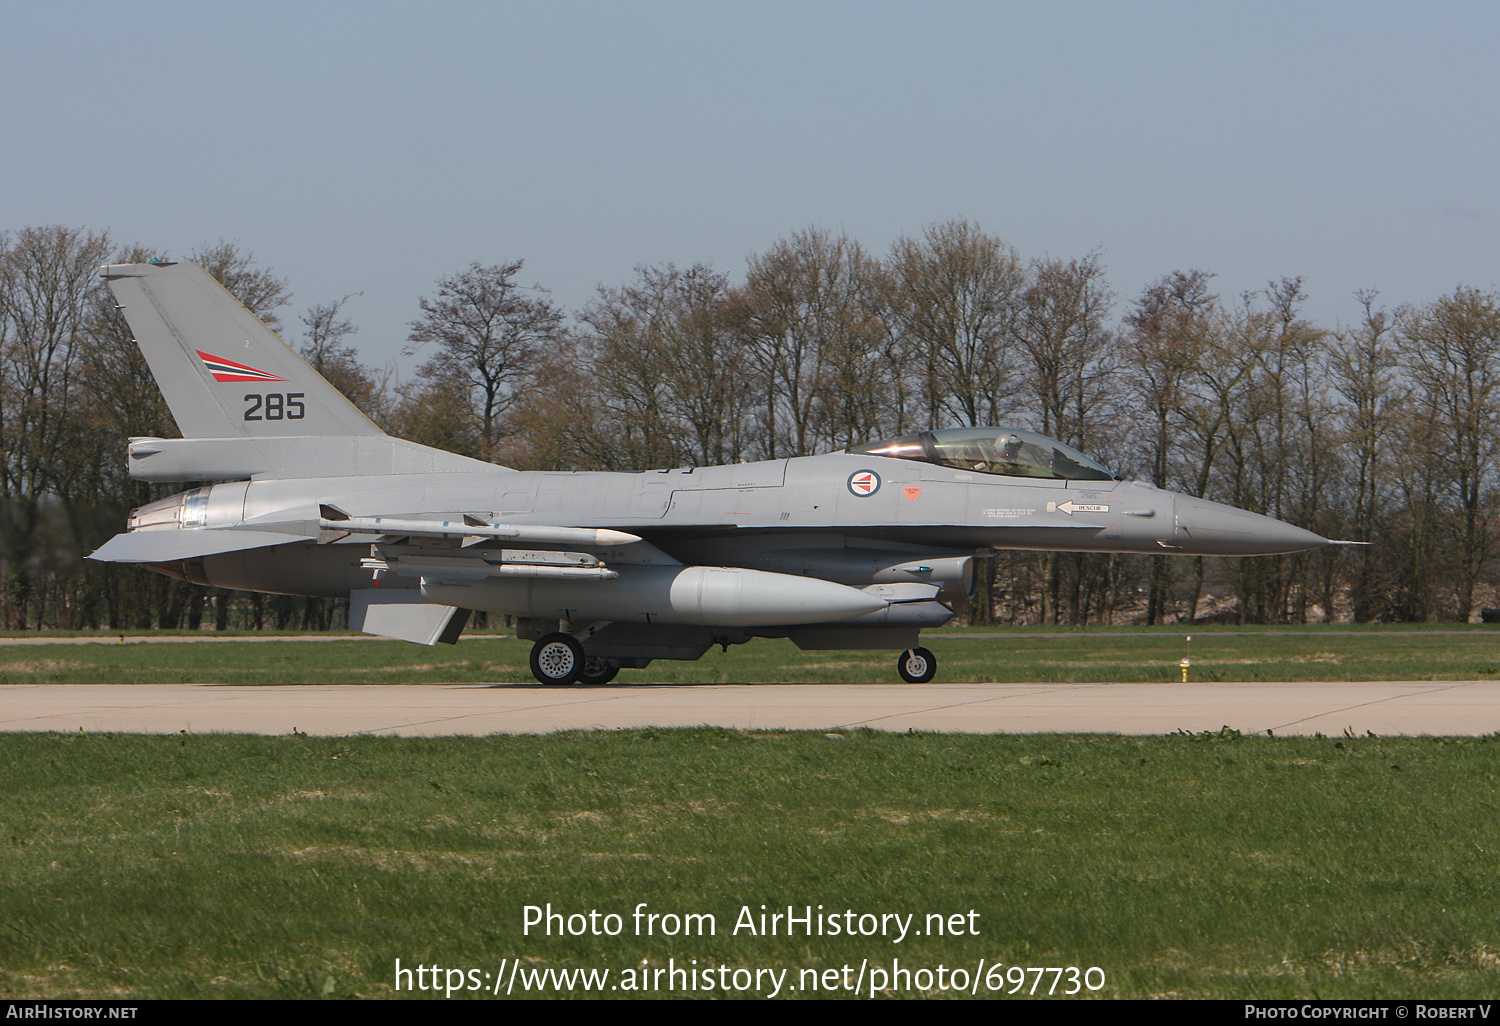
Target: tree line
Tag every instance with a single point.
(1383, 431)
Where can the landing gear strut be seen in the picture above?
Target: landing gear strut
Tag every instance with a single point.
(557, 659)
(916, 665)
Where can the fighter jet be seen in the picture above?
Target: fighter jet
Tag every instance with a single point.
(298, 493)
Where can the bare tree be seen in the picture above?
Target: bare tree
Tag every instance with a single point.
(633, 363)
(1061, 331)
(1363, 368)
(1452, 352)
(324, 344)
(560, 421)
(1167, 335)
(46, 287)
(488, 331)
(258, 288)
(47, 438)
(961, 289)
(711, 392)
(1266, 387)
(669, 374)
(808, 320)
(434, 409)
(326, 351)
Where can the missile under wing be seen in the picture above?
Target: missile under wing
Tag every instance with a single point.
(299, 493)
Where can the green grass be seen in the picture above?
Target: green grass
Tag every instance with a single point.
(1202, 866)
(1206, 867)
(983, 655)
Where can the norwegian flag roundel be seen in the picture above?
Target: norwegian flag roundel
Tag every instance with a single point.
(864, 482)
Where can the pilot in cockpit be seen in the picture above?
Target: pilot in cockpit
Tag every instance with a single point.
(1012, 452)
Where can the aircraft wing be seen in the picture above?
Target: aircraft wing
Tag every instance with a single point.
(168, 546)
(162, 546)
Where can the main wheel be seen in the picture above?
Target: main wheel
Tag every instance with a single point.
(557, 659)
(916, 665)
(598, 671)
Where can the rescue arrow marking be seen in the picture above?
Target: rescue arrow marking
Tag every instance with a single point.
(1070, 507)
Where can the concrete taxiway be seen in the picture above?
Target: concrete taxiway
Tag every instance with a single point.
(1384, 707)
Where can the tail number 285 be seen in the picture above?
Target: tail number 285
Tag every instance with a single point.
(275, 406)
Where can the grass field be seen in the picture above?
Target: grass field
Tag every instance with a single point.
(1196, 866)
(1438, 652)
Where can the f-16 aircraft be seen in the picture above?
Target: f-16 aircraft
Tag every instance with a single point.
(300, 494)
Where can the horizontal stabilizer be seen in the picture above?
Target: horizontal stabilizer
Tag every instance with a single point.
(168, 546)
(401, 614)
(235, 459)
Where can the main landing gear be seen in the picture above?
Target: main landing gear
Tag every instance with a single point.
(916, 665)
(598, 671)
(558, 659)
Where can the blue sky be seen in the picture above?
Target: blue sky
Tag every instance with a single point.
(374, 147)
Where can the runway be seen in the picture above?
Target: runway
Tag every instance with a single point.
(1385, 707)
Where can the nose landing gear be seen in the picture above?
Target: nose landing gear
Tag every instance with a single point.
(916, 665)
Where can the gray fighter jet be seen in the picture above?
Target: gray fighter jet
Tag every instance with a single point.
(858, 549)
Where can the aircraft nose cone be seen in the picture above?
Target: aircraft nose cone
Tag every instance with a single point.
(1214, 529)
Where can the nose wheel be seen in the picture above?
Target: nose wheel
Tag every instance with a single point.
(916, 666)
(557, 659)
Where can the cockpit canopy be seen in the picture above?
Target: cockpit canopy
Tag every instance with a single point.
(1013, 452)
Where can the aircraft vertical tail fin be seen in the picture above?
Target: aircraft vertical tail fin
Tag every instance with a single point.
(223, 373)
